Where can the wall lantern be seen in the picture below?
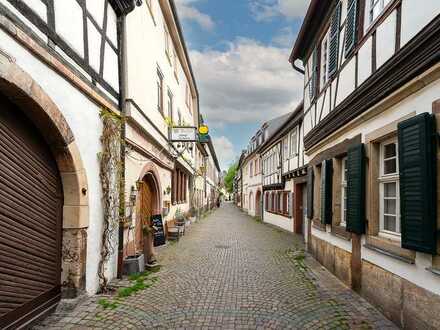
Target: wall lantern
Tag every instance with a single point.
(131, 205)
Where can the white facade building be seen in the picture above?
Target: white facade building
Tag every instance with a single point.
(161, 94)
(59, 77)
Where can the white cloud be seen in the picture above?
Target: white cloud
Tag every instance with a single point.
(248, 82)
(266, 10)
(190, 13)
(224, 150)
(285, 37)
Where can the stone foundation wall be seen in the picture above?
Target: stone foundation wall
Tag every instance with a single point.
(73, 261)
(407, 305)
(335, 259)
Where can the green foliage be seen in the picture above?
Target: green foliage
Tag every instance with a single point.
(229, 178)
(138, 282)
(107, 304)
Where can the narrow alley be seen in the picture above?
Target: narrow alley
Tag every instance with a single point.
(232, 272)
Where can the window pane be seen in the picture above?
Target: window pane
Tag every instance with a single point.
(345, 170)
(390, 150)
(390, 166)
(390, 189)
(376, 11)
(390, 206)
(389, 223)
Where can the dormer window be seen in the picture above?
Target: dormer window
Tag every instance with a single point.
(376, 8)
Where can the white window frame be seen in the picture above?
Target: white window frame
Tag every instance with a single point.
(344, 173)
(175, 66)
(167, 43)
(160, 91)
(293, 147)
(384, 179)
(382, 4)
(286, 146)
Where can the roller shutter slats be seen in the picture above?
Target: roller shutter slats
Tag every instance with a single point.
(30, 218)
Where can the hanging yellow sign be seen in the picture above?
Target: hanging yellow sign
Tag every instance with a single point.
(203, 130)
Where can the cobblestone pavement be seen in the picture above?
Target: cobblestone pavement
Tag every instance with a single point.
(231, 272)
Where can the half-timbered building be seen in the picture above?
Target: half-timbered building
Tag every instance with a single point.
(252, 166)
(59, 81)
(284, 169)
(371, 108)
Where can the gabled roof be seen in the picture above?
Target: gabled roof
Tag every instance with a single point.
(274, 124)
(310, 27)
(271, 126)
(293, 119)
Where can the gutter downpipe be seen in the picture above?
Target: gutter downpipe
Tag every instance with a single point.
(297, 68)
(123, 81)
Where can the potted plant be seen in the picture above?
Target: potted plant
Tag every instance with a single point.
(135, 262)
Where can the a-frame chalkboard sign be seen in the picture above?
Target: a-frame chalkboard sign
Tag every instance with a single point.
(159, 232)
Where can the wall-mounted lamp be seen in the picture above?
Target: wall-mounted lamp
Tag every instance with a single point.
(130, 208)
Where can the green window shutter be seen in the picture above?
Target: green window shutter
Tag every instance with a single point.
(334, 40)
(314, 73)
(310, 189)
(418, 180)
(356, 189)
(326, 191)
(350, 30)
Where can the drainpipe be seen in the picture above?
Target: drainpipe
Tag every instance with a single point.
(297, 68)
(123, 106)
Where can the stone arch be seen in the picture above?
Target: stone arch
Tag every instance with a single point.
(251, 200)
(150, 169)
(22, 90)
(150, 176)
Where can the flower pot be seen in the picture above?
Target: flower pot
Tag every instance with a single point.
(134, 264)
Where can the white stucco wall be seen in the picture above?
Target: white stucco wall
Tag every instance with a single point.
(143, 62)
(83, 118)
(418, 102)
(415, 16)
(276, 219)
(279, 221)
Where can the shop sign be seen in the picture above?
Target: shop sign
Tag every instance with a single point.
(184, 134)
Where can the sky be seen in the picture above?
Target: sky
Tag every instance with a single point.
(239, 51)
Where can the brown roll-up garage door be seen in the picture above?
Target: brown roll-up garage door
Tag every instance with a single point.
(30, 220)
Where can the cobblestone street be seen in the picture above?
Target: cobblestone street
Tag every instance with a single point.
(232, 272)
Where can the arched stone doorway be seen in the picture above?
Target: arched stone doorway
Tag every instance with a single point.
(258, 204)
(149, 203)
(67, 236)
(251, 200)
